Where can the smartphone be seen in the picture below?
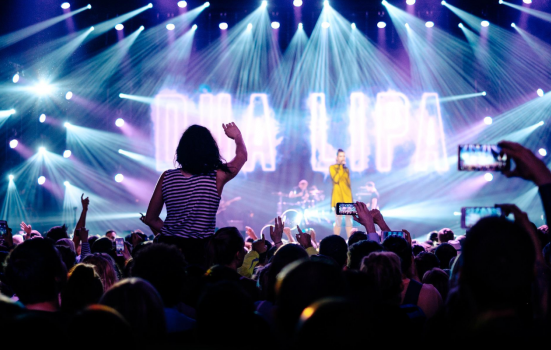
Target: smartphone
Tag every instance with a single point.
(119, 246)
(386, 234)
(345, 209)
(3, 227)
(471, 215)
(478, 157)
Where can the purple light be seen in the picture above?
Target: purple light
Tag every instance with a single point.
(119, 27)
(65, 5)
(488, 177)
(182, 4)
(381, 25)
(119, 177)
(297, 3)
(542, 152)
(488, 121)
(67, 154)
(119, 122)
(223, 26)
(41, 180)
(14, 143)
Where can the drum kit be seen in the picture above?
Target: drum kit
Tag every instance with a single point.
(309, 200)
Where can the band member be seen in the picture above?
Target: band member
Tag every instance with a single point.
(370, 196)
(342, 192)
(301, 191)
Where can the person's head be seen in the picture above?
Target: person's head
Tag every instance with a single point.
(226, 247)
(164, 267)
(359, 250)
(142, 237)
(92, 239)
(356, 237)
(115, 331)
(17, 239)
(57, 232)
(84, 288)
(341, 156)
(402, 248)
(283, 256)
(385, 275)
(198, 152)
(370, 186)
(35, 272)
(111, 234)
(417, 249)
(425, 262)
(67, 256)
(105, 268)
(66, 242)
(334, 247)
(439, 279)
(445, 252)
(433, 236)
(303, 184)
(445, 235)
(140, 304)
(497, 270)
(102, 245)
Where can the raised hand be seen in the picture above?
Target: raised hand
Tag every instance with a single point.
(231, 130)
(85, 202)
(363, 216)
(27, 229)
(276, 231)
(83, 234)
(287, 231)
(259, 245)
(303, 238)
(250, 232)
(407, 236)
(528, 166)
(379, 220)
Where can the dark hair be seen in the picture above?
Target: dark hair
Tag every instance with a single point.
(445, 252)
(356, 237)
(198, 152)
(83, 288)
(339, 151)
(164, 267)
(223, 246)
(439, 279)
(57, 232)
(445, 235)
(425, 262)
(115, 331)
(283, 256)
(105, 268)
(384, 273)
(359, 250)
(417, 249)
(35, 272)
(402, 248)
(102, 245)
(109, 231)
(334, 247)
(67, 256)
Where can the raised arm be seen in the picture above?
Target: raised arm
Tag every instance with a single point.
(235, 165)
(82, 220)
(152, 218)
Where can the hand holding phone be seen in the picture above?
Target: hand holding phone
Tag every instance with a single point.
(387, 234)
(3, 227)
(345, 209)
(478, 157)
(119, 246)
(471, 215)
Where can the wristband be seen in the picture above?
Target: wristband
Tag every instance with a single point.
(277, 243)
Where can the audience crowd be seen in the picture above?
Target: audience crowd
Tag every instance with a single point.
(491, 284)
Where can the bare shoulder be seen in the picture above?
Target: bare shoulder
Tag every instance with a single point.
(430, 292)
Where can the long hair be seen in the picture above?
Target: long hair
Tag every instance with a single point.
(198, 152)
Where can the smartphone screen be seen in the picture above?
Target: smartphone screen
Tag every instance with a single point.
(481, 158)
(386, 234)
(3, 227)
(119, 246)
(471, 215)
(345, 209)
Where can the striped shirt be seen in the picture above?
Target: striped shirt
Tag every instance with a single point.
(191, 204)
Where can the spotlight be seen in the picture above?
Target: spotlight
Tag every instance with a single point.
(119, 27)
(410, 2)
(444, 3)
(10, 177)
(223, 26)
(540, 92)
(407, 25)
(325, 25)
(15, 78)
(141, 28)
(119, 122)
(483, 93)
(381, 25)
(42, 88)
(66, 183)
(92, 28)
(485, 23)
(7, 113)
(170, 26)
(67, 154)
(275, 25)
(69, 95)
(182, 4)
(13, 143)
(297, 3)
(488, 120)
(300, 26)
(353, 26)
(119, 177)
(527, 1)
(384, 2)
(67, 124)
(194, 27)
(89, 7)
(500, 2)
(65, 5)
(542, 152)
(429, 24)
(513, 25)
(206, 4)
(249, 26)
(41, 180)
(460, 25)
(264, 3)
(540, 123)
(42, 118)
(41, 150)
(488, 177)
(150, 5)
(326, 3)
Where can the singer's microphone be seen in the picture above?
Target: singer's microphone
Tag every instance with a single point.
(344, 165)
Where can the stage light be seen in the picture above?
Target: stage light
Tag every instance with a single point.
(15, 78)
(150, 5)
(119, 177)
(66, 183)
(42, 118)
(297, 3)
(10, 177)
(43, 88)
(223, 26)
(460, 25)
(65, 5)
(540, 92)
(7, 113)
(264, 4)
(194, 27)
(527, 1)
(488, 177)
(500, 2)
(410, 2)
(119, 27)
(381, 25)
(483, 93)
(300, 26)
(41, 150)
(513, 25)
(485, 23)
(275, 25)
(443, 3)
(89, 7)
(384, 2)
(542, 152)
(325, 25)
(67, 154)
(249, 26)
(407, 25)
(69, 95)
(119, 122)
(206, 4)
(141, 28)
(170, 26)
(14, 143)
(429, 24)
(182, 4)
(92, 28)
(326, 3)
(41, 180)
(488, 120)
(540, 123)
(353, 26)
(67, 124)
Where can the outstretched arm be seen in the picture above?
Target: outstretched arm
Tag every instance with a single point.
(155, 207)
(82, 220)
(235, 165)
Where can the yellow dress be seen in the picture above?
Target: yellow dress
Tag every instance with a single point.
(342, 192)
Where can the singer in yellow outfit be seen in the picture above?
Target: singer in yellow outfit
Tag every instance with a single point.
(342, 191)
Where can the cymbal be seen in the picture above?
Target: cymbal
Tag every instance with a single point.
(280, 194)
(316, 191)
